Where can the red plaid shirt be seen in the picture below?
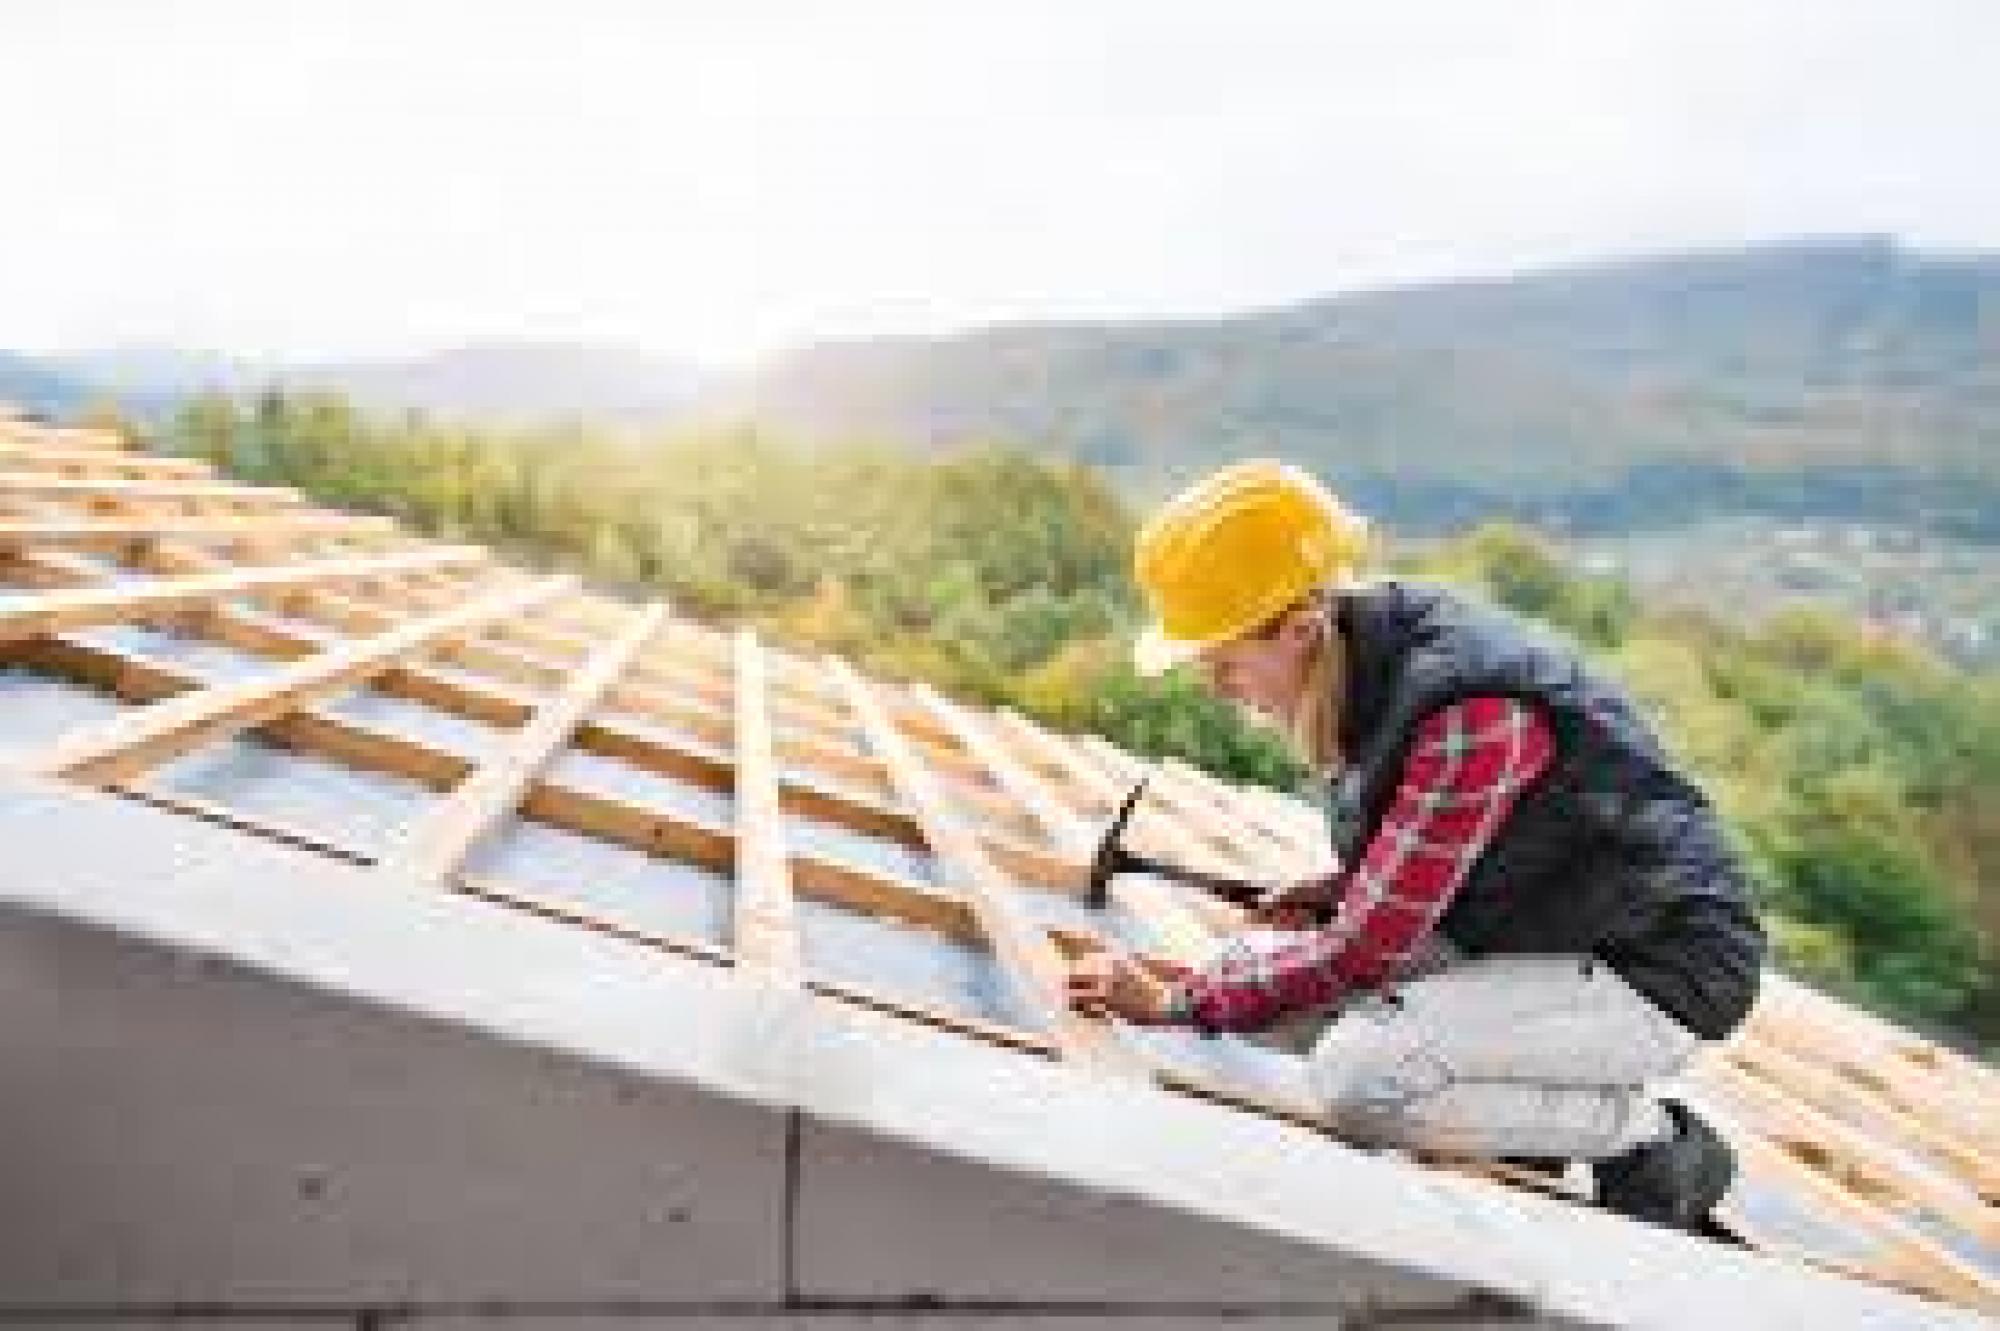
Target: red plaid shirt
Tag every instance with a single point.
(1469, 762)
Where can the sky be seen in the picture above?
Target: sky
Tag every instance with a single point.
(717, 180)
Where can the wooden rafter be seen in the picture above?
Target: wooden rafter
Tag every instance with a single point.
(87, 534)
(1947, 1091)
(28, 614)
(1176, 932)
(1059, 824)
(496, 701)
(1277, 850)
(766, 930)
(97, 461)
(1903, 1255)
(354, 614)
(1865, 1164)
(109, 489)
(438, 846)
(509, 894)
(125, 745)
(93, 437)
(591, 812)
(1027, 957)
(1813, 1082)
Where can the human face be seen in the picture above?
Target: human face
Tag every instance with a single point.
(1263, 671)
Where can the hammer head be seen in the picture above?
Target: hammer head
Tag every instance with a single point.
(1110, 859)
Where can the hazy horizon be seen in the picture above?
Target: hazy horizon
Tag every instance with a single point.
(713, 185)
(530, 340)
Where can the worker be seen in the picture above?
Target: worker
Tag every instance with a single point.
(1534, 916)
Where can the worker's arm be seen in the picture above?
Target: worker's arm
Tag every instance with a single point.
(1467, 765)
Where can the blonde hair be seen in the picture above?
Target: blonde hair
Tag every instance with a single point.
(1314, 725)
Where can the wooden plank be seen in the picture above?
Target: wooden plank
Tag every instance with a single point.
(1874, 1067)
(91, 438)
(1282, 846)
(1180, 787)
(1062, 827)
(126, 745)
(1030, 962)
(438, 845)
(1864, 1164)
(508, 893)
(375, 748)
(498, 702)
(41, 485)
(857, 888)
(351, 614)
(27, 615)
(505, 892)
(593, 813)
(85, 534)
(100, 462)
(1963, 1092)
(1814, 1082)
(1175, 931)
(1904, 1256)
(766, 927)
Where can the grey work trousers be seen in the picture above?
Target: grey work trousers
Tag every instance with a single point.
(1511, 1055)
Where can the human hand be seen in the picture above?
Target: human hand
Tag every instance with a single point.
(1112, 984)
(1302, 903)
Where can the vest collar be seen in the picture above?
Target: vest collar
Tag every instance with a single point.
(1374, 621)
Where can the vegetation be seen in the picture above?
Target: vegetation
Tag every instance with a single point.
(1861, 776)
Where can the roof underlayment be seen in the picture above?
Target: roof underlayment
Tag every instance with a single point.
(390, 932)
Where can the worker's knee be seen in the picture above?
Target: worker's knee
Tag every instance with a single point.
(1374, 1075)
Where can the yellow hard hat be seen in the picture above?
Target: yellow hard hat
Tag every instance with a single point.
(1233, 550)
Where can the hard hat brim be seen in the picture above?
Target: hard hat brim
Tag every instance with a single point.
(1154, 653)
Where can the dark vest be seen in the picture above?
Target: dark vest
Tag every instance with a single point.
(1612, 852)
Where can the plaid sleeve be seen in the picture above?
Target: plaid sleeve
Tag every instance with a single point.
(1467, 765)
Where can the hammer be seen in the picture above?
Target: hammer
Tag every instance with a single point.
(1113, 859)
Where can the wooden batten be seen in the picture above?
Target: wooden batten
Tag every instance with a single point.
(126, 745)
(1176, 932)
(1901, 1255)
(61, 460)
(28, 484)
(438, 846)
(27, 615)
(1865, 1165)
(1030, 961)
(766, 929)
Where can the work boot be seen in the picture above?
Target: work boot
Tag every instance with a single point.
(1672, 1182)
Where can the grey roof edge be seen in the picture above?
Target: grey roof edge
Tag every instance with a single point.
(529, 980)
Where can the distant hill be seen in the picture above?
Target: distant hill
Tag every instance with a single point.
(494, 383)
(516, 382)
(38, 387)
(1827, 374)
